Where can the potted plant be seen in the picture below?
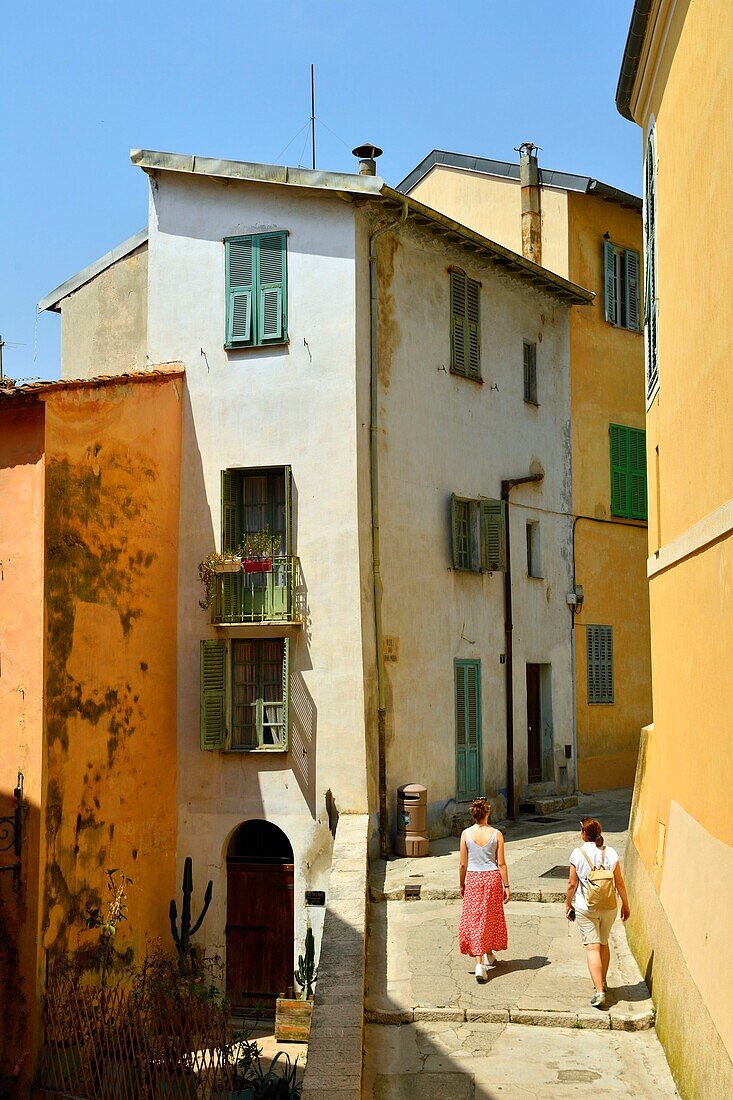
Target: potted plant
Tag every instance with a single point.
(293, 1014)
(257, 550)
(213, 565)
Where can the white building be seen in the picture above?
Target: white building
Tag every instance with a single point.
(355, 367)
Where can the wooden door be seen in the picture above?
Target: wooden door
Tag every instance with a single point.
(259, 932)
(534, 725)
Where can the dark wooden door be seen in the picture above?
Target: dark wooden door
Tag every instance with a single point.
(534, 725)
(259, 932)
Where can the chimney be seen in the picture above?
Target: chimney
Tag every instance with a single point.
(367, 155)
(529, 178)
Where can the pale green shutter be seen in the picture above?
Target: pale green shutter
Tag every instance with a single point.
(609, 280)
(632, 289)
(473, 328)
(213, 694)
(271, 288)
(599, 657)
(239, 264)
(288, 509)
(468, 729)
(620, 487)
(458, 340)
(229, 584)
(460, 523)
(493, 535)
(637, 473)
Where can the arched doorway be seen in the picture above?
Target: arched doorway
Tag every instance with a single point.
(260, 920)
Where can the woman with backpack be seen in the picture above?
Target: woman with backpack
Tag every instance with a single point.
(595, 880)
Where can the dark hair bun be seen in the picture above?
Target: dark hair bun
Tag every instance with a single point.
(480, 808)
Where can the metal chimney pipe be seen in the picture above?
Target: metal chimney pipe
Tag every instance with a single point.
(529, 178)
(367, 155)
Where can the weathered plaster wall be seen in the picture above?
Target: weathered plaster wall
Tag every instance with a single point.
(607, 387)
(104, 323)
(442, 434)
(281, 405)
(111, 520)
(21, 716)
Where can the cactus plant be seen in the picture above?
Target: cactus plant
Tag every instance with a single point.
(182, 938)
(307, 975)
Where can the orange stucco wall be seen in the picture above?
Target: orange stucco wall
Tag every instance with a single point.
(111, 521)
(21, 684)
(607, 387)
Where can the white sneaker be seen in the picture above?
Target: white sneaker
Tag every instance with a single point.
(598, 999)
(481, 977)
(490, 960)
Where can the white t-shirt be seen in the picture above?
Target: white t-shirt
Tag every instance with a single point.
(583, 859)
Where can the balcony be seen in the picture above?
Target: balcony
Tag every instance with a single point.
(271, 594)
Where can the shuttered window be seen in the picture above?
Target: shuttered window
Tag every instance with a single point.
(628, 472)
(465, 306)
(650, 267)
(478, 535)
(530, 373)
(599, 642)
(256, 289)
(244, 694)
(621, 286)
(468, 729)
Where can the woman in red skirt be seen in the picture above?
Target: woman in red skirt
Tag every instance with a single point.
(484, 882)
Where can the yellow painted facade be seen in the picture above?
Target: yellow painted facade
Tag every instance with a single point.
(89, 519)
(681, 855)
(606, 387)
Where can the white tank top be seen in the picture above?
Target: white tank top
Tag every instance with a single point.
(482, 857)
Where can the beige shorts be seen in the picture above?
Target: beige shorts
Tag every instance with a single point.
(595, 927)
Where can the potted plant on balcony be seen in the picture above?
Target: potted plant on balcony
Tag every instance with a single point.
(257, 550)
(213, 565)
(293, 1014)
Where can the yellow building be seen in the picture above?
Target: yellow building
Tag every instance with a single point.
(677, 83)
(590, 233)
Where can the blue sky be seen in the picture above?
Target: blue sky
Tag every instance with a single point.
(83, 82)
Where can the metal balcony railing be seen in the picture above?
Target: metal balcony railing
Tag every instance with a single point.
(259, 593)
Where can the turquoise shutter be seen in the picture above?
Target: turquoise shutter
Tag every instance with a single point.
(637, 473)
(620, 488)
(458, 322)
(493, 535)
(271, 288)
(468, 729)
(213, 694)
(609, 280)
(473, 328)
(632, 289)
(239, 253)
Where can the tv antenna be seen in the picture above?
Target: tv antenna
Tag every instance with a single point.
(313, 116)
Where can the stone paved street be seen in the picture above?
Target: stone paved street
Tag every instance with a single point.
(530, 1032)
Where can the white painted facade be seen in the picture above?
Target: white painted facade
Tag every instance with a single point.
(307, 405)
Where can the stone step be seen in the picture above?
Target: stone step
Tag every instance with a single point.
(434, 893)
(548, 804)
(592, 1019)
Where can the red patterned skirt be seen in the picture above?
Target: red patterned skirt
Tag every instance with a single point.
(483, 925)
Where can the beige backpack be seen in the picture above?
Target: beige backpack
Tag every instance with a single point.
(601, 889)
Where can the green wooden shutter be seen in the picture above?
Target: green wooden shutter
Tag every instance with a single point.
(288, 510)
(460, 521)
(609, 280)
(286, 692)
(620, 482)
(632, 289)
(530, 373)
(271, 289)
(468, 729)
(492, 515)
(599, 657)
(231, 583)
(637, 473)
(458, 356)
(213, 694)
(240, 263)
(473, 328)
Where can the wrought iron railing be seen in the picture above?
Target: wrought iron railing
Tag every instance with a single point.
(11, 831)
(259, 592)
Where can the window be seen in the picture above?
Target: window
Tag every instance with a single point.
(465, 328)
(478, 538)
(244, 694)
(621, 280)
(650, 267)
(628, 472)
(599, 642)
(468, 729)
(256, 289)
(534, 563)
(530, 373)
(255, 500)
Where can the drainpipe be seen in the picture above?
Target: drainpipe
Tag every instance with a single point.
(376, 571)
(506, 488)
(529, 179)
